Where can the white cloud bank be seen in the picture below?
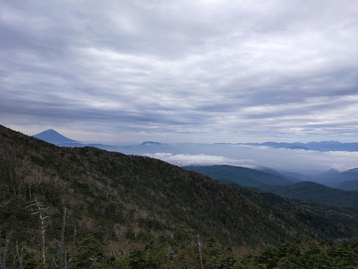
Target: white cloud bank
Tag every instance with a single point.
(200, 159)
(295, 160)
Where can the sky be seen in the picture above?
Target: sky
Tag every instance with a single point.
(181, 71)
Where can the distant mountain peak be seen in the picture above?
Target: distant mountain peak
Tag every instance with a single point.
(53, 137)
(151, 143)
(51, 131)
(333, 171)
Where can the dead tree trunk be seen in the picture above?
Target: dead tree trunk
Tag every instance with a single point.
(169, 256)
(200, 255)
(6, 248)
(43, 233)
(41, 211)
(214, 263)
(69, 262)
(20, 254)
(62, 237)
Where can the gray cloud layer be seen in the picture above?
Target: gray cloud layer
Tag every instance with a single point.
(181, 70)
(302, 161)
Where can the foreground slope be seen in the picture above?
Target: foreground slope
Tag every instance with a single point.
(127, 201)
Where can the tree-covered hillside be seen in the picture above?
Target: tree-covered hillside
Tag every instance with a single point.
(311, 191)
(240, 175)
(88, 208)
(280, 185)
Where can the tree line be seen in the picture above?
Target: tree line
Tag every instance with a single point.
(37, 250)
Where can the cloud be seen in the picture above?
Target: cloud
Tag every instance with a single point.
(214, 70)
(200, 159)
(295, 160)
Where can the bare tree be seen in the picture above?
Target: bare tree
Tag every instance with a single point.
(41, 211)
(200, 255)
(214, 262)
(20, 254)
(6, 248)
(70, 260)
(62, 236)
(169, 257)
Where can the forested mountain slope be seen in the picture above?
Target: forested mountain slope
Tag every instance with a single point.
(117, 204)
(311, 191)
(240, 175)
(280, 185)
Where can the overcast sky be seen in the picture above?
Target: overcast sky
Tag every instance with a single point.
(181, 71)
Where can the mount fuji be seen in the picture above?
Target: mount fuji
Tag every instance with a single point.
(53, 137)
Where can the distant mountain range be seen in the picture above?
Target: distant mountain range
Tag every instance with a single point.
(53, 137)
(318, 146)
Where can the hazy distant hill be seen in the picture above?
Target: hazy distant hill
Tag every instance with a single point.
(348, 185)
(349, 181)
(241, 175)
(319, 146)
(345, 180)
(337, 179)
(145, 147)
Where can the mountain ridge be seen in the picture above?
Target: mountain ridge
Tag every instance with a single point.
(240, 175)
(322, 146)
(312, 191)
